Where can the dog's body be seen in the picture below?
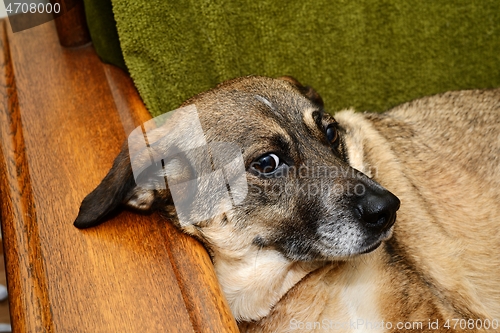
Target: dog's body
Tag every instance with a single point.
(441, 156)
(295, 262)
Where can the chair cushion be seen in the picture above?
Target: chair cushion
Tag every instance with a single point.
(102, 28)
(370, 55)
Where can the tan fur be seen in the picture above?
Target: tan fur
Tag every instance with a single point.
(440, 155)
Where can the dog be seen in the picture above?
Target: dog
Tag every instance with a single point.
(312, 242)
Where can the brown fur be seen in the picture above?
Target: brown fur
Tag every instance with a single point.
(439, 155)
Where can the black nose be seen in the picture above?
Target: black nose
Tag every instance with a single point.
(377, 209)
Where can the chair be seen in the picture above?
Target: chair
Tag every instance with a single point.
(63, 118)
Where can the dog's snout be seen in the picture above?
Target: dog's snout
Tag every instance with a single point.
(377, 209)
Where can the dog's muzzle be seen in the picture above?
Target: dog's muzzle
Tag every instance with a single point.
(376, 209)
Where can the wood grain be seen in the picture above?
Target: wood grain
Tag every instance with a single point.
(4, 305)
(63, 118)
(72, 24)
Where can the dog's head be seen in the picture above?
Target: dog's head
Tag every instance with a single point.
(298, 194)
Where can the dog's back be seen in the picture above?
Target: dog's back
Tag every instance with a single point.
(461, 128)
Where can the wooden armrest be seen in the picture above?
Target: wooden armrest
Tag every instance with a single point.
(63, 118)
(72, 25)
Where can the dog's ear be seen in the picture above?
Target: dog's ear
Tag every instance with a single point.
(119, 186)
(307, 91)
(168, 146)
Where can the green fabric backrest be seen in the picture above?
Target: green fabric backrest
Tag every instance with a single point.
(102, 27)
(367, 54)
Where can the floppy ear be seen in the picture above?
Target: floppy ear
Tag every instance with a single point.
(119, 186)
(171, 145)
(307, 91)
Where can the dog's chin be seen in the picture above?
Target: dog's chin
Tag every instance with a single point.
(370, 248)
(368, 245)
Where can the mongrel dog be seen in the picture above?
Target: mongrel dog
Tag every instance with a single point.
(310, 246)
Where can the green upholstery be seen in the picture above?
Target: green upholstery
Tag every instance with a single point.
(367, 54)
(102, 27)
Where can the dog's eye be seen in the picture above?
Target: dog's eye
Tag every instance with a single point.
(266, 164)
(332, 135)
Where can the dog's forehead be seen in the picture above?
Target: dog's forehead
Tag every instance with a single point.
(251, 102)
(254, 110)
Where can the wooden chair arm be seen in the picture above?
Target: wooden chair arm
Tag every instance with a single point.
(63, 117)
(72, 26)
